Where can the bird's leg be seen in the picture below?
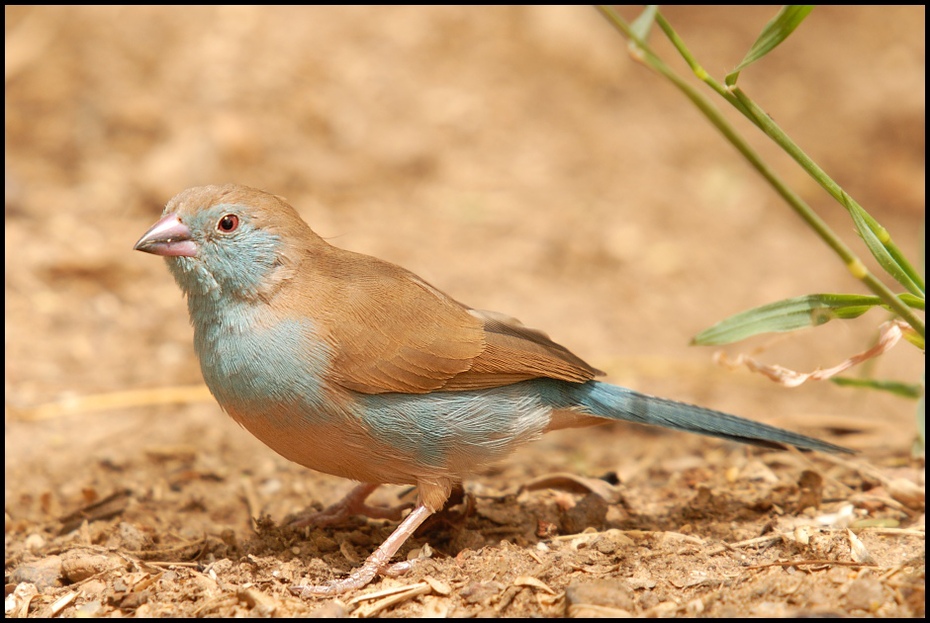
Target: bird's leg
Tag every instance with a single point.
(352, 504)
(374, 564)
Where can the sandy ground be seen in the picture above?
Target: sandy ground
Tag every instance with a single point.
(518, 159)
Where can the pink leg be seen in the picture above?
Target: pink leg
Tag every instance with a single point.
(351, 504)
(376, 563)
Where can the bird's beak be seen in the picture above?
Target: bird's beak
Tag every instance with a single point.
(168, 237)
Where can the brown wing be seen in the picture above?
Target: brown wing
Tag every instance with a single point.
(390, 331)
(514, 352)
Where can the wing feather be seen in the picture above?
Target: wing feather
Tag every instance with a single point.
(390, 331)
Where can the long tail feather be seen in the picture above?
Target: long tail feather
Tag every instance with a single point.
(618, 403)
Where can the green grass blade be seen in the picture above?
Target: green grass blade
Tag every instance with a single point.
(879, 251)
(920, 447)
(776, 31)
(644, 22)
(905, 390)
(788, 315)
(912, 301)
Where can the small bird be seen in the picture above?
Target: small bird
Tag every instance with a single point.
(356, 367)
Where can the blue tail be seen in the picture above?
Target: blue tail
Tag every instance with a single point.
(618, 403)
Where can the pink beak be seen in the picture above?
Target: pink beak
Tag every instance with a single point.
(169, 237)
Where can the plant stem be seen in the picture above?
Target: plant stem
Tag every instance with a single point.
(641, 51)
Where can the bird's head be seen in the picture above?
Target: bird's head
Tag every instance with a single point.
(229, 242)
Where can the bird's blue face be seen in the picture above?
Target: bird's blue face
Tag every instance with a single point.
(221, 252)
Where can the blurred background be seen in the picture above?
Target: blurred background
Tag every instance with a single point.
(516, 158)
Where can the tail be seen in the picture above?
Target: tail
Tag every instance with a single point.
(618, 403)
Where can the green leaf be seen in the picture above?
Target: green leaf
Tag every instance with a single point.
(776, 31)
(644, 22)
(788, 315)
(905, 390)
(920, 447)
(870, 232)
(915, 302)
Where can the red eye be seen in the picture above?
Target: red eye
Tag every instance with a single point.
(228, 223)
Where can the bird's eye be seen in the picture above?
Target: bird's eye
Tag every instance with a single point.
(228, 223)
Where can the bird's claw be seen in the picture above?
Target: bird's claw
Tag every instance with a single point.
(359, 578)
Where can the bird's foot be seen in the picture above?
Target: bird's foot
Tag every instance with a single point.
(359, 578)
(377, 563)
(351, 504)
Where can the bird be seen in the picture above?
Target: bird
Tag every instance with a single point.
(353, 366)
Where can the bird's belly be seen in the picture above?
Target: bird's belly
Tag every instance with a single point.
(340, 446)
(401, 438)
(273, 381)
